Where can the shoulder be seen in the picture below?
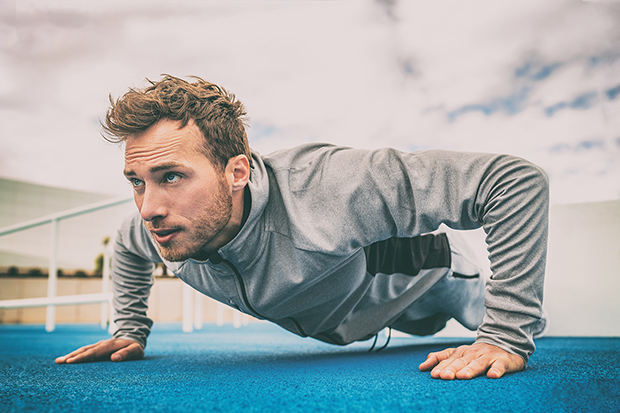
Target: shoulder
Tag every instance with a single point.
(300, 156)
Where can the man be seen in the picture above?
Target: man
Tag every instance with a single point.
(329, 242)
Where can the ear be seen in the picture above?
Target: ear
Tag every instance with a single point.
(238, 169)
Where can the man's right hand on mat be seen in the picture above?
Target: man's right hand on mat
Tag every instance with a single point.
(114, 349)
(467, 362)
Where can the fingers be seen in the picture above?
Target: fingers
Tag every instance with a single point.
(447, 369)
(467, 362)
(115, 349)
(83, 354)
(435, 358)
(474, 368)
(78, 354)
(133, 351)
(500, 367)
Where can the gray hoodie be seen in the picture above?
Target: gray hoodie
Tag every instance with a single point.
(324, 222)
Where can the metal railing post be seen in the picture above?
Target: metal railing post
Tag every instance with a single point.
(198, 308)
(105, 284)
(188, 308)
(52, 279)
(219, 314)
(111, 325)
(236, 319)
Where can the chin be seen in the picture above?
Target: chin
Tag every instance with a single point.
(175, 255)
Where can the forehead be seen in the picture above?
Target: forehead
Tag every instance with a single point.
(164, 142)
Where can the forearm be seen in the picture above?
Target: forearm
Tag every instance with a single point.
(515, 217)
(509, 197)
(132, 280)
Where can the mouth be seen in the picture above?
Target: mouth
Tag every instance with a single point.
(163, 236)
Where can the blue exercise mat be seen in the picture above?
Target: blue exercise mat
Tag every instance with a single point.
(262, 368)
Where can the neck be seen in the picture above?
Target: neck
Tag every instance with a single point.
(241, 202)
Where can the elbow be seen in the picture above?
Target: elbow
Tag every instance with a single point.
(539, 181)
(532, 183)
(523, 179)
(527, 174)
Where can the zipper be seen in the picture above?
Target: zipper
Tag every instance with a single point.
(216, 258)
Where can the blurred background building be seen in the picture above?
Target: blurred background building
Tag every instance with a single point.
(81, 237)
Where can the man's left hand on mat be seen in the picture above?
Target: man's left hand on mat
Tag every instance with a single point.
(467, 362)
(113, 349)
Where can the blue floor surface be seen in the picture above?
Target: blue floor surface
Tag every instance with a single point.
(262, 368)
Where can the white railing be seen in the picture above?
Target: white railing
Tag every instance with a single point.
(51, 301)
(193, 307)
(192, 300)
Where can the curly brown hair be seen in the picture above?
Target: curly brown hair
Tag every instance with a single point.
(219, 116)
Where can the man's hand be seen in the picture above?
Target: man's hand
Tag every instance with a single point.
(467, 362)
(117, 349)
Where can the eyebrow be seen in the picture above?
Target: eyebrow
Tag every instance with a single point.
(162, 167)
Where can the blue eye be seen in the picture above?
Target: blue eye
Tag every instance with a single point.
(136, 182)
(172, 177)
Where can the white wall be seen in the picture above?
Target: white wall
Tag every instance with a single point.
(583, 272)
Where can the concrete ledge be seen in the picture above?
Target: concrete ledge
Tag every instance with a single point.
(583, 270)
(61, 300)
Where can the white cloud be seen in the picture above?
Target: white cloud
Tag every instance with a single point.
(363, 74)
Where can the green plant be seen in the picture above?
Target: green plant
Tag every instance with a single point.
(99, 264)
(99, 260)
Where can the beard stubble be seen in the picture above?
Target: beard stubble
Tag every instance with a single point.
(205, 228)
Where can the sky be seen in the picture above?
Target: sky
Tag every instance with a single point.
(540, 80)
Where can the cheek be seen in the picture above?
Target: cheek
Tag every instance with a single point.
(201, 198)
(191, 203)
(137, 199)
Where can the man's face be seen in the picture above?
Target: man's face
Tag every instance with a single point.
(184, 201)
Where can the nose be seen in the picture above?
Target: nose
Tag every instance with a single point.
(151, 205)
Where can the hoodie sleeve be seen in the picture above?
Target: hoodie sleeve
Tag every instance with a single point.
(509, 198)
(132, 278)
(513, 204)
